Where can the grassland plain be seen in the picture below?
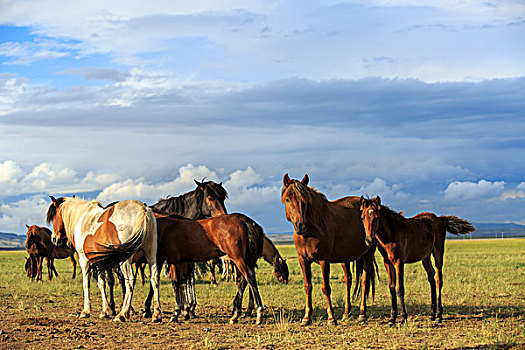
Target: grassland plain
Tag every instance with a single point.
(483, 296)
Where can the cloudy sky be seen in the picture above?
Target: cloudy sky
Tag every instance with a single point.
(421, 104)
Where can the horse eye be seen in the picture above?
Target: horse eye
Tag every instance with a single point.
(287, 200)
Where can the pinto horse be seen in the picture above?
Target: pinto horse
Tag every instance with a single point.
(235, 235)
(38, 244)
(328, 232)
(105, 238)
(403, 241)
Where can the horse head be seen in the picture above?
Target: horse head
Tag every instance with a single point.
(295, 196)
(54, 216)
(370, 215)
(280, 270)
(32, 236)
(213, 196)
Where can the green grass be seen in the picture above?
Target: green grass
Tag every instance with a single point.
(483, 298)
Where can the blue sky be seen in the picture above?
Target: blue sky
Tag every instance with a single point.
(421, 104)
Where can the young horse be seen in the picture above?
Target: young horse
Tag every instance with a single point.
(38, 241)
(327, 232)
(236, 235)
(105, 237)
(403, 241)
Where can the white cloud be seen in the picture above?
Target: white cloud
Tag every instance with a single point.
(458, 190)
(30, 211)
(143, 190)
(379, 187)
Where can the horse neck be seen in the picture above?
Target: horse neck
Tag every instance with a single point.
(71, 214)
(270, 253)
(192, 206)
(317, 205)
(389, 224)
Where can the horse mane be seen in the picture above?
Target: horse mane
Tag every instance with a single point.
(395, 219)
(178, 204)
(72, 209)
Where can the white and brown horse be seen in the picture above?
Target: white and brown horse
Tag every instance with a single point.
(105, 237)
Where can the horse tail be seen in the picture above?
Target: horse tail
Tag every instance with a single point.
(457, 226)
(255, 241)
(110, 255)
(359, 268)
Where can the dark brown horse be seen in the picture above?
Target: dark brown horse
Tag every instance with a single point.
(403, 241)
(327, 232)
(235, 235)
(39, 245)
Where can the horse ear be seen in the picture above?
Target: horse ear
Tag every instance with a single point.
(27, 225)
(305, 180)
(361, 202)
(197, 182)
(53, 199)
(220, 183)
(378, 201)
(286, 180)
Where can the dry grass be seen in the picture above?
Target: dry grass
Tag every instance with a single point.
(484, 307)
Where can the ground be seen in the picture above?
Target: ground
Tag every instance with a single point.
(484, 302)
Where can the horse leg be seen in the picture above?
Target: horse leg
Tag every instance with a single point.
(40, 263)
(438, 260)
(53, 268)
(251, 305)
(154, 283)
(400, 288)
(177, 291)
(325, 270)
(427, 264)
(191, 297)
(249, 275)
(49, 270)
(367, 275)
(391, 271)
(101, 283)
(74, 263)
(86, 312)
(348, 284)
(212, 272)
(110, 279)
(127, 271)
(306, 268)
(237, 301)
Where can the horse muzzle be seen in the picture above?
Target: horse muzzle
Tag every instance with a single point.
(300, 228)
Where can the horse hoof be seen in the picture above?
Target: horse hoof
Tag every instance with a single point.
(173, 319)
(361, 318)
(258, 322)
(84, 315)
(147, 314)
(432, 317)
(233, 320)
(248, 314)
(156, 319)
(103, 315)
(119, 318)
(439, 319)
(331, 323)
(306, 322)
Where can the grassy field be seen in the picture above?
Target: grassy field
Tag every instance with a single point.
(483, 297)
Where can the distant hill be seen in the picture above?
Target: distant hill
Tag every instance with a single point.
(11, 241)
(483, 230)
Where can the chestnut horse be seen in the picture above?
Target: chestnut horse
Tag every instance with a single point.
(403, 241)
(235, 235)
(38, 244)
(105, 238)
(328, 232)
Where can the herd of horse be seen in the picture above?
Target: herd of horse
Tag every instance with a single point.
(195, 227)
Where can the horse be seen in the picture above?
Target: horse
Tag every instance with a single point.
(207, 200)
(235, 235)
(38, 244)
(105, 237)
(328, 232)
(403, 241)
